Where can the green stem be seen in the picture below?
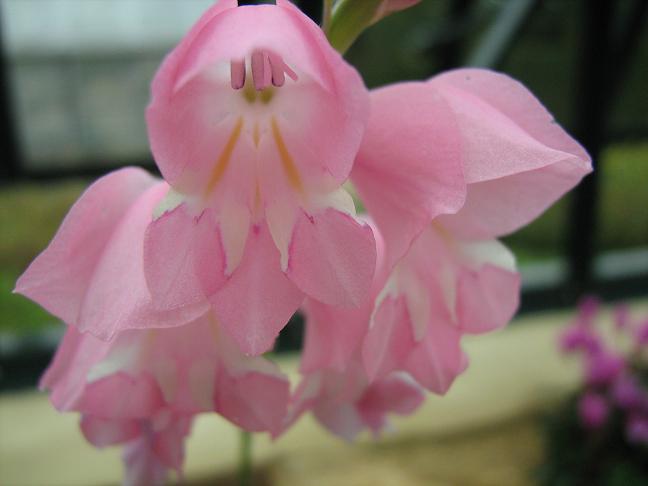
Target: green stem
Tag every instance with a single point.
(327, 6)
(348, 19)
(245, 459)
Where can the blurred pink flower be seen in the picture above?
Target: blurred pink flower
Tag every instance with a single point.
(152, 446)
(637, 429)
(641, 333)
(345, 402)
(621, 316)
(588, 308)
(185, 370)
(603, 368)
(592, 410)
(255, 121)
(578, 337)
(628, 394)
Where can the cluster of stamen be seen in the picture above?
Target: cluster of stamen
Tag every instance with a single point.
(257, 82)
(266, 67)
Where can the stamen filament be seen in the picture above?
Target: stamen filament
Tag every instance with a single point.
(237, 71)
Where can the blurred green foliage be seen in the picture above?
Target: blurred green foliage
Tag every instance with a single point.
(623, 222)
(29, 217)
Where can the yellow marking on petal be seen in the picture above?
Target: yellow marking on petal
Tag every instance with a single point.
(292, 174)
(223, 160)
(146, 346)
(257, 197)
(256, 136)
(213, 326)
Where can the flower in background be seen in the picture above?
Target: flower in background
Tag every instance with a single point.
(613, 371)
(593, 411)
(637, 429)
(641, 334)
(152, 447)
(346, 402)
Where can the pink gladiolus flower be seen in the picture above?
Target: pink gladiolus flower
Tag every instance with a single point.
(255, 122)
(426, 141)
(151, 447)
(593, 411)
(445, 167)
(346, 402)
(187, 370)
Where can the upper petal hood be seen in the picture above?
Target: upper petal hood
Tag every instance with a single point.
(517, 160)
(191, 93)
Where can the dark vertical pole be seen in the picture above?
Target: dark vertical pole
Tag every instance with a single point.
(10, 165)
(451, 51)
(312, 8)
(589, 129)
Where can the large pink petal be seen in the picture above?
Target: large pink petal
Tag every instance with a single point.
(254, 401)
(104, 432)
(390, 339)
(332, 257)
(169, 439)
(258, 300)
(438, 359)
(120, 396)
(117, 297)
(141, 464)
(183, 258)
(163, 82)
(116, 395)
(92, 273)
(409, 168)
(342, 419)
(507, 134)
(486, 298)
(501, 206)
(59, 277)
(395, 393)
(333, 335)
